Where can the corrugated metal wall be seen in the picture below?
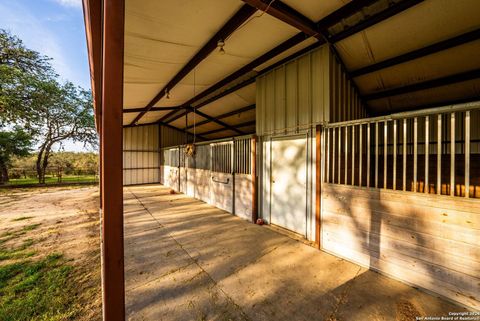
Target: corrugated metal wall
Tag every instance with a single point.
(345, 104)
(171, 137)
(141, 164)
(309, 90)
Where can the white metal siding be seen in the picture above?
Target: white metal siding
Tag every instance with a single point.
(140, 155)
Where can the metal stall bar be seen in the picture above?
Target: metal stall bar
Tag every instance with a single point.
(404, 182)
(439, 154)
(360, 169)
(327, 155)
(467, 154)
(427, 152)
(452, 154)
(376, 154)
(339, 153)
(368, 155)
(394, 154)
(346, 155)
(415, 152)
(385, 153)
(333, 154)
(353, 155)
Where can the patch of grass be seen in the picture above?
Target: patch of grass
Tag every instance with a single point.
(30, 227)
(54, 180)
(37, 290)
(20, 252)
(21, 218)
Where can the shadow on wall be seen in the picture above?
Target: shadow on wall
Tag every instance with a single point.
(412, 238)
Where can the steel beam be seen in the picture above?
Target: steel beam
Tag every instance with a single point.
(142, 109)
(448, 80)
(374, 19)
(236, 21)
(232, 113)
(245, 124)
(422, 52)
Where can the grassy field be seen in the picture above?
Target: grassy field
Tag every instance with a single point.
(54, 180)
(49, 255)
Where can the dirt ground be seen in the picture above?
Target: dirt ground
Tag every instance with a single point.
(66, 221)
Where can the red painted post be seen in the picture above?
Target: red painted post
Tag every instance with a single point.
(113, 280)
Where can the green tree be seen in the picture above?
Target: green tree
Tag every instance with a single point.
(66, 114)
(16, 142)
(31, 96)
(22, 72)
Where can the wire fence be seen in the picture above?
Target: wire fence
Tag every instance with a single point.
(53, 176)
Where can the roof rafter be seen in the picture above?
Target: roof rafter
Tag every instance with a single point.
(232, 24)
(447, 80)
(374, 19)
(232, 113)
(418, 53)
(138, 110)
(214, 131)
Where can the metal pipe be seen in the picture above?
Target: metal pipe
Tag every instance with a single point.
(467, 154)
(404, 187)
(353, 155)
(327, 156)
(452, 154)
(339, 154)
(385, 152)
(368, 155)
(427, 152)
(376, 154)
(346, 155)
(334, 130)
(395, 154)
(360, 169)
(439, 154)
(415, 152)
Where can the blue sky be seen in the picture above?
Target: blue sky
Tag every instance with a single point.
(54, 28)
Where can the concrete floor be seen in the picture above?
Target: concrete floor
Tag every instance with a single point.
(186, 260)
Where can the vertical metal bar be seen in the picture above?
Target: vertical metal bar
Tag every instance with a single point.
(415, 152)
(333, 154)
(385, 153)
(395, 154)
(368, 155)
(318, 184)
(427, 152)
(360, 169)
(467, 153)
(376, 154)
(113, 280)
(404, 187)
(253, 159)
(353, 154)
(327, 156)
(439, 154)
(339, 152)
(346, 155)
(452, 154)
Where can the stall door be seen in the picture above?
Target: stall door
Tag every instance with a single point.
(289, 187)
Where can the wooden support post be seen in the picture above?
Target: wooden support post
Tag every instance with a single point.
(113, 281)
(254, 179)
(318, 184)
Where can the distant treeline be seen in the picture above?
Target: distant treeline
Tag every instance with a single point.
(67, 162)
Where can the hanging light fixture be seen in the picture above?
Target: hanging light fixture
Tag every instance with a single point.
(220, 45)
(167, 93)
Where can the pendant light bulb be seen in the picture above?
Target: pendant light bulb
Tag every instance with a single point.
(167, 94)
(220, 45)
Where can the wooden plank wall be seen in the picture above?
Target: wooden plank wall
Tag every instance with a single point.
(429, 241)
